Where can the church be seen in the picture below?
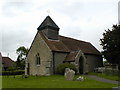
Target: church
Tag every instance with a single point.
(49, 49)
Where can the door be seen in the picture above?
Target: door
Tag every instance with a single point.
(81, 65)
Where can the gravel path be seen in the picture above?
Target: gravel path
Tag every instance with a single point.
(102, 79)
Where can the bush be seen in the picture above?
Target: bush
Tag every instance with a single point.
(17, 72)
(61, 68)
(11, 69)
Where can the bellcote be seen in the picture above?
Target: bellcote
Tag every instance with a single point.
(49, 28)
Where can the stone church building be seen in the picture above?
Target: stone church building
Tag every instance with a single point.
(49, 49)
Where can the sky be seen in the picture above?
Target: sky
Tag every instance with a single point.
(80, 19)
(119, 13)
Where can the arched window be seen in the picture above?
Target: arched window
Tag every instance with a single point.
(37, 59)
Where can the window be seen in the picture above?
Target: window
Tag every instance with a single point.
(37, 59)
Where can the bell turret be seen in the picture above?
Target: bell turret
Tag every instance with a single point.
(49, 28)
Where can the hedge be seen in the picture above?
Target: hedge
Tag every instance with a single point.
(17, 72)
(61, 68)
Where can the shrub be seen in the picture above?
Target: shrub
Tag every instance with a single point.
(11, 68)
(61, 68)
(17, 72)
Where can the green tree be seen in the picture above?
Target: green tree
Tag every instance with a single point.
(111, 45)
(22, 54)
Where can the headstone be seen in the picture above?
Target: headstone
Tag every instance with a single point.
(69, 74)
(80, 78)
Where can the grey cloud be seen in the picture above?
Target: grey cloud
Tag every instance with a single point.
(14, 38)
(61, 6)
(10, 8)
(71, 31)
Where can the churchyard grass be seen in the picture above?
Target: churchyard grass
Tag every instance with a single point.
(103, 75)
(0, 82)
(54, 81)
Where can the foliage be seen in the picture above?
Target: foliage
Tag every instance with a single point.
(17, 72)
(22, 54)
(11, 68)
(61, 68)
(55, 81)
(20, 64)
(106, 63)
(111, 44)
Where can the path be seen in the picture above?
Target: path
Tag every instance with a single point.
(102, 79)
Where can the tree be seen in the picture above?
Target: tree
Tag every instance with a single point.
(22, 54)
(111, 45)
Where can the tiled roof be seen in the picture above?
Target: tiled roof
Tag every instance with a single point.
(65, 44)
(71, 56)
(55, 45)
(48, 22)
(70, 46)
(7, 62)
(75, 45)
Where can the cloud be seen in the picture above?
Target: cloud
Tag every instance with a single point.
(81, 19)
(12, 9)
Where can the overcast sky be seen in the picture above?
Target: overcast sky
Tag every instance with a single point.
(80, 19)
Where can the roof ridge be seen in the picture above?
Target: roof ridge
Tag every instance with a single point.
(5, 57)
(8, 58)
(75, 44)
(74, 39)
(67, 44)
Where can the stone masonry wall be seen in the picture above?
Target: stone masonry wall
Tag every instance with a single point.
(45, 67)
(59, 58)
(93, 62)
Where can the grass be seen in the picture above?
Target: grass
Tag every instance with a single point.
(0, 82)
(55, 81)
(103, 75)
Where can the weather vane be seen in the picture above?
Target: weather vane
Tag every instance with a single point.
(48, 11)
(7, 54)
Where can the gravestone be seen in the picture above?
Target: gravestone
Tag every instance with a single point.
(69, 74)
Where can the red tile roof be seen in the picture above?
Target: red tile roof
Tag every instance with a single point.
(71, 56)
(65, 44)
(55, 45)
(7, 62)
(76, 45)
(70, 46)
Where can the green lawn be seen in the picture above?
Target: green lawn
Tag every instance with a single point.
(55, 81)
(103, 75)
(0, 82)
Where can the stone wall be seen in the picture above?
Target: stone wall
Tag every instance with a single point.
(93, 62)
(89, 62)
(85, 64)
(59, 58)
(45, 67)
